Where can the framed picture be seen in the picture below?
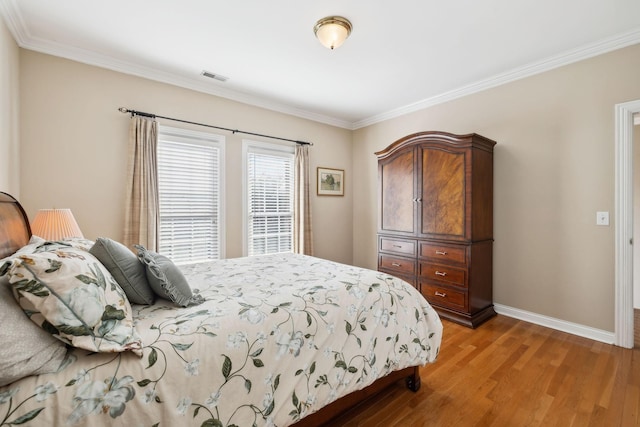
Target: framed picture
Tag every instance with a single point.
(330, 182)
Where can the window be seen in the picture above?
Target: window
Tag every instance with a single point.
(268, 198)
(190, 171)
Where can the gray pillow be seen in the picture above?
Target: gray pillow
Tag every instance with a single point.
(25, 348)
(124, 266)
(166, 280)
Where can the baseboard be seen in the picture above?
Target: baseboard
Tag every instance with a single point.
(558, 324)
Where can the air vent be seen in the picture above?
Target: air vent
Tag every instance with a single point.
(215, 76)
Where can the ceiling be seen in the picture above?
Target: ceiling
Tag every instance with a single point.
(401, 56)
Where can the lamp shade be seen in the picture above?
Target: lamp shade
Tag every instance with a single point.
(332, 31)
(55, 224)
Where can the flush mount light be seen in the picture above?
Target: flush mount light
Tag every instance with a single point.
(332, 31)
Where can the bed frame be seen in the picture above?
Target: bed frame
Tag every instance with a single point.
(15, 232)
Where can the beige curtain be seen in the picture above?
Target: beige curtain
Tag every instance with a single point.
(142, 203)
(302, 235)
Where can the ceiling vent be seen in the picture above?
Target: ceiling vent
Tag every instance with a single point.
(215, 76)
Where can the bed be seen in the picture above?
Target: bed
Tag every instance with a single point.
(275, 340)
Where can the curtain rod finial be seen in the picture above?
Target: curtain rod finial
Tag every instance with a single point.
(123, 110)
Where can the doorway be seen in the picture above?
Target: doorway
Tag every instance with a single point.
(636, 230)
(624, 223)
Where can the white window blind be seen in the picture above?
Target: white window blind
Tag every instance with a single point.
(189, 186)
(269, 200)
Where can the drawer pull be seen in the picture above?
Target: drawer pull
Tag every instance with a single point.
(397, 246)
(440, 252)
(441, 273)
(395, 264)
(440, 294)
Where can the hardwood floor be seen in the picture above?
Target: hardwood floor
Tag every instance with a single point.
(513, 373)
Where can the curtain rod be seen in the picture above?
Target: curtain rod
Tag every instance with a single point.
(140, 113)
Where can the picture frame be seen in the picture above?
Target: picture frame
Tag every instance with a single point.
(330, 182)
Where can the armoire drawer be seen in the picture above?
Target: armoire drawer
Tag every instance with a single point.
(400, 265)
(398, 246)
(443, 273)
(443, 253)
(443, 296)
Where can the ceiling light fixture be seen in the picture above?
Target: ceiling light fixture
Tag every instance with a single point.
(332, 31)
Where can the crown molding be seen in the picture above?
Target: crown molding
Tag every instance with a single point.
(110, 63)
(14, 21)
(19, 31)
(556, 61)
(17, 27)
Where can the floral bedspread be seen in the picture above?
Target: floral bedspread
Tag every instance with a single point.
(278, 337)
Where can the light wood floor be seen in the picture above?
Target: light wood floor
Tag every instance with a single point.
(513, 373)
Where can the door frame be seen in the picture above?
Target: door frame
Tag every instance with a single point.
(624, 222)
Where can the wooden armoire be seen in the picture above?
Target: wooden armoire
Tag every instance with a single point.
(435, 225)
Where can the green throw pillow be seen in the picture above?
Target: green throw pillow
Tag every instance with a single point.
(166, 279)
(125, 267)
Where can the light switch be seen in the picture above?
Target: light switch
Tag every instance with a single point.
(602, 218)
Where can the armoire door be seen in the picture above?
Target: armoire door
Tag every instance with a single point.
(397, 194)
(442, 189)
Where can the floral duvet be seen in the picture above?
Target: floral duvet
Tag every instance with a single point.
(277, 338)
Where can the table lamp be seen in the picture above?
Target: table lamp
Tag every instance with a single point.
(55, 224)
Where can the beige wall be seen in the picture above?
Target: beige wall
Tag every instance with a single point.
(9, 104)
(74, 147)
(554, 168)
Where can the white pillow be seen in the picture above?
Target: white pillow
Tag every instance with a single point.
(25, 348)
(70, 294)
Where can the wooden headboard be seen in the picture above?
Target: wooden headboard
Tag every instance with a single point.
(15, 231)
